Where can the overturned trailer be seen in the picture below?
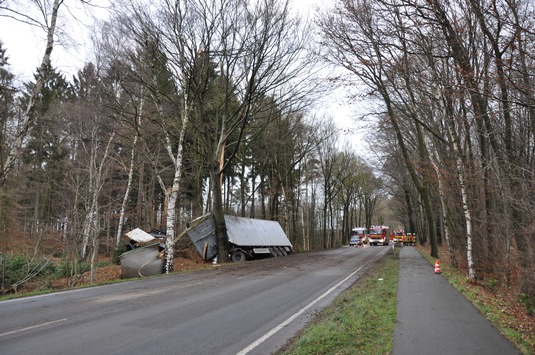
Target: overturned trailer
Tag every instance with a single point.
(145, 260)
(248, 237)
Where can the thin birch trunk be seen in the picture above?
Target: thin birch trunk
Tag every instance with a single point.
(95, 252)
(466, 207)
(95, 218)
(95, 185)
(89, 204)
(175, 188)
(303, 228)
(130, 176)
(172, 193)
(442, 196)
(285, 211)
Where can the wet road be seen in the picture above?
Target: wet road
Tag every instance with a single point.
(252, 307)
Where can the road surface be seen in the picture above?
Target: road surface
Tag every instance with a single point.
(434, 318)
(252, 307)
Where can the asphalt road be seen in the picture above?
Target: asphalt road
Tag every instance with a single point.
(252, 307)
(434, 318)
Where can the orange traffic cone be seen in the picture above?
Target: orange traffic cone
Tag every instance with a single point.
(437, 267)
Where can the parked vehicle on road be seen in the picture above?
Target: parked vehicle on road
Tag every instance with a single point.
(379, 235)
(360, 232)
(354, 240)
(399, 237)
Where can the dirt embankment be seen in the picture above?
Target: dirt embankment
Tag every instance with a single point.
(185, 259)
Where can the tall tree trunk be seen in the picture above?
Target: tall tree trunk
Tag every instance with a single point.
(429, 210)
(464, 196)
(24, 127)
(173, 198)
(305, 211)
(216, 175)
(410, 208)
(442, 198)
(96, 170)
(130, 177)
(424, 194)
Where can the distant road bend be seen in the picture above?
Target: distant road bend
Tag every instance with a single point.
(252, 307)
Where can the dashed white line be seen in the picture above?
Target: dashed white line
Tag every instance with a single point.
(301, 311)
(32, 327)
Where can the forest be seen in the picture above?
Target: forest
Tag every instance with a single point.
(196, 106)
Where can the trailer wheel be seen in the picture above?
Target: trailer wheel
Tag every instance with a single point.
(273, 252)
(238, 256)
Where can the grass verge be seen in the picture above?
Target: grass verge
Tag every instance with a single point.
(361, 320)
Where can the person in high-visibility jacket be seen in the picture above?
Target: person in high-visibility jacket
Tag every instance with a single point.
(411, 238)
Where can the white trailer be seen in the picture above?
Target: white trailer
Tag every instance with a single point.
(248, 237)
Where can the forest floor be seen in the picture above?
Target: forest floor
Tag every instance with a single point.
(186, 259)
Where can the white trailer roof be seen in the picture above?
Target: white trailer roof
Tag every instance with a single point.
(255, 232)
(139, 235)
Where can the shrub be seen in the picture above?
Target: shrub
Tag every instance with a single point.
(528, 302)
(68, 268)
(20, 269)
(117, 253)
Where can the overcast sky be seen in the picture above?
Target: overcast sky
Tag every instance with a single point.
(25, 44)
(25, 47)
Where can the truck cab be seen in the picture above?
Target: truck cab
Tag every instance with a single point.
(379, 235)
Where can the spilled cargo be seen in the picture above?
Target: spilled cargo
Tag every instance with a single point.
(145, 260)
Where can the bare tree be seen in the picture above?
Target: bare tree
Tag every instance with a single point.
(450, 76)
(354, 41)
(262, 54)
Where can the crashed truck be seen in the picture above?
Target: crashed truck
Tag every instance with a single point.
(248, 238)
(146, 260)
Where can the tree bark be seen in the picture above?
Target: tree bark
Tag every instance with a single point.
(216, 176)
(30, 108)
(130, 177)
(442, 197)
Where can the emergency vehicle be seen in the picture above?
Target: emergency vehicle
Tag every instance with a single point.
(399, 236)
(379, 235)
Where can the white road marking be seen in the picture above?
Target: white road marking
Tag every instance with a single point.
(301, 311)
(32, 327)
(132, 295)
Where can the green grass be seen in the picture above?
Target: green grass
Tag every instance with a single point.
(361, 320)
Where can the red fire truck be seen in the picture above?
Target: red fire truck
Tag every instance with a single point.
(379, 235)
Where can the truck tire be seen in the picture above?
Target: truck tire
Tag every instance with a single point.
(238, 256)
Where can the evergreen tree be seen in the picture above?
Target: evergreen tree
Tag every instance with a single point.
(45, 152)
(7, 100)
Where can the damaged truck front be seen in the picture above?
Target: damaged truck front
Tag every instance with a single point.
(248, 238)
